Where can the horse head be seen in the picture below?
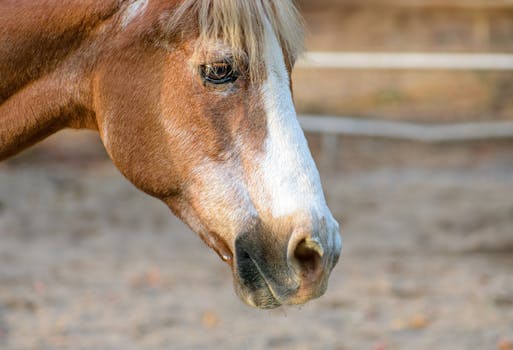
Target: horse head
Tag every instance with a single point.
(193, 102)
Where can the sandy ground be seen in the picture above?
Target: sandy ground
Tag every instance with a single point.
(88, 262)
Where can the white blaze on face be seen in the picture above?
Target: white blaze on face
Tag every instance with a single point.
(291, 179)
(289, 172)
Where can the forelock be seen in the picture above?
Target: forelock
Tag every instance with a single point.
(239, 24)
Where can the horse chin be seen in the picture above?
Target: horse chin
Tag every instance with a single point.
(250, 283)
(261, 298)
(253, 288)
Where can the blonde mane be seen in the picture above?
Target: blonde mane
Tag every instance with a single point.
(240, 25)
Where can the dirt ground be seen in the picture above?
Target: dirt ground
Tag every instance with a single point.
(88, 262)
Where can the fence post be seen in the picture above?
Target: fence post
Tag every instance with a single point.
(329, 150)
(482, 31)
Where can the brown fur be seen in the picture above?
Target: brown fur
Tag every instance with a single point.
(43, 78)
(70, 64)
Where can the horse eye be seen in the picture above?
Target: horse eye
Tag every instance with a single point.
(218, 73)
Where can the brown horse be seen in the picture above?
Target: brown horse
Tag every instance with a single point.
(192, 100)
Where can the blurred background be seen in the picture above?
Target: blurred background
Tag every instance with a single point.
(88, 262)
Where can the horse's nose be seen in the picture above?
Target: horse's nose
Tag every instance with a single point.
(311, 257)
(305, 256)
(273, 272)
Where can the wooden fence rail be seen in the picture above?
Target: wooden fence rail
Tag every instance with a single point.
(432, 133)
(421, 61)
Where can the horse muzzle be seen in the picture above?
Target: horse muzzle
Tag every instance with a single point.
(270, 273)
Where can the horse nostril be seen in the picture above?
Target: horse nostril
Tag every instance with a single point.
(308, 256)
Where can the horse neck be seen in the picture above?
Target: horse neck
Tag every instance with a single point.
(43, 69)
